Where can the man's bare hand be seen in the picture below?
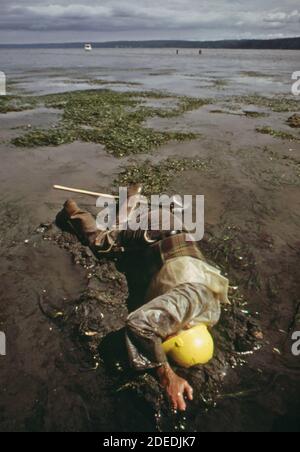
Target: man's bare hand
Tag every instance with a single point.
(175, 387)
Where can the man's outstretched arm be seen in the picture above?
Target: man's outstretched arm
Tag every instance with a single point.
(146, 352)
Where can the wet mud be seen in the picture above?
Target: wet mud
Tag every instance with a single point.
(97, 320)
(63, 311)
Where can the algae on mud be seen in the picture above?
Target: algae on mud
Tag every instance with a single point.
(10, 104)
(246, 113)
(266, 130)
(157, 178)
(278, 104)
(254, 114)
(294, 121)
(51, 137)
(113, 119)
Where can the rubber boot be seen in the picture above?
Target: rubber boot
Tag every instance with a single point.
(80, 221)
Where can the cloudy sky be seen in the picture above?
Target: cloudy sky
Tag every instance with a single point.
(90, 20)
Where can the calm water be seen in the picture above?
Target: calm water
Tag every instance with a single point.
(214, 73)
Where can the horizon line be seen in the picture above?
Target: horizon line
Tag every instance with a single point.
(150, 40)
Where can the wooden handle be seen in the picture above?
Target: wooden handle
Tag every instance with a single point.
(84, 192)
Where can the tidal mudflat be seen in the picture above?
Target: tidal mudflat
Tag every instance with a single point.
(242, 152)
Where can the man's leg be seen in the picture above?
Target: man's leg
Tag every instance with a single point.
(85, 227)
(84, 224)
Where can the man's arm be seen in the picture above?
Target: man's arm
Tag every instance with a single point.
(146, 352)
(175, 386)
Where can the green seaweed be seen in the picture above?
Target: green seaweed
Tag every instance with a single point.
(113, 119)
(276, 133)
(294, 121)
(247, 113)
(9, 104)
(228, 247)
(51, 137)
(278, 104)
(156, 178)
(254, 114)
(123, 140)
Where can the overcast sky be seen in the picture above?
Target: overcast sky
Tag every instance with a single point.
(90, 20)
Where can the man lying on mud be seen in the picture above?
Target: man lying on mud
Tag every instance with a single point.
(183, 299)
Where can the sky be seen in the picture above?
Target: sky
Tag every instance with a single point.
(27, 21)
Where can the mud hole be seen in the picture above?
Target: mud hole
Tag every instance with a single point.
(95, 323)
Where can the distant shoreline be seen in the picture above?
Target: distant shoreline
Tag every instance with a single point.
(255, 44)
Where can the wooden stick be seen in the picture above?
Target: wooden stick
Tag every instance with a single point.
(84, 192)
(94, 194)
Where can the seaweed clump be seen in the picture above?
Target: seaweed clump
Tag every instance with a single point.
(278, 104)
(294, 121)
(276, 134)
(115, 120)
(51, 137)
(156, 178)
(10, 104)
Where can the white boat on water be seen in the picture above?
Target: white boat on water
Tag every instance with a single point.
(88, 47)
